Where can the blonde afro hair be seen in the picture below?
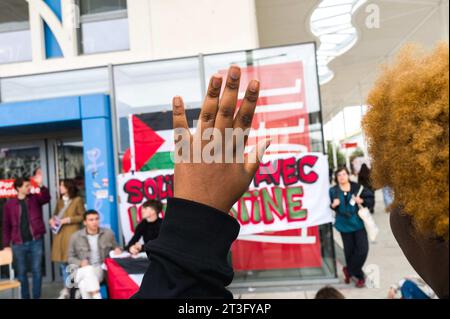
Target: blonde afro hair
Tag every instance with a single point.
(407, 132)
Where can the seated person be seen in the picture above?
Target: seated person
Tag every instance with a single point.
(88, 249)
(148, 228)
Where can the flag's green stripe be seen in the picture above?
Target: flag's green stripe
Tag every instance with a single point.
(161, 160)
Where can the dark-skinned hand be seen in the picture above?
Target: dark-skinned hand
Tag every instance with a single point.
(217, 184)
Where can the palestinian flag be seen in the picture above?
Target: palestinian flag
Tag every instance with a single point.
(151, 135)
(124, 276)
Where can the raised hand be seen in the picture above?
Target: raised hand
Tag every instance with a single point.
(210, 165)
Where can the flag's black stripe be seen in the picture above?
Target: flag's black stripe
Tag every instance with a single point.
(160, 121)
(133, 266)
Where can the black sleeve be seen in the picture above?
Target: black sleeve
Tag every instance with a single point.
(333, 196)
(369, 198)
(137, 235)
(189, 257)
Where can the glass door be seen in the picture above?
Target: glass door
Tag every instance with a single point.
(65, 163)
(57, 160)
(23, 160)
(70, 163)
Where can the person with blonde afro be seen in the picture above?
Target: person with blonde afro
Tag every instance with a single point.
(408, 139)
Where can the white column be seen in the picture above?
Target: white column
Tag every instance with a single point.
(333, 143)
(36, 33)
(347, 157)
(140, 25)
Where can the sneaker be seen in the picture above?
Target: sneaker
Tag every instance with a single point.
(361, 283)
(346, 275)
(64, 294)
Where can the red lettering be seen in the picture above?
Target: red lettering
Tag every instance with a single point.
(309, 161)
(134, 190)
(151, 189)
(288, 168)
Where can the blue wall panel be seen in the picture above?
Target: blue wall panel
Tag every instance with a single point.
(93, 111)
(100, 176)
(40, 112)
(95, 106)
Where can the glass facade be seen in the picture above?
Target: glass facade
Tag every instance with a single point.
(283, 72)
(104, 28)
(52, 85)
(15, 39)
(100, 6)
(289, 102)
(19, 161)
(148, 88)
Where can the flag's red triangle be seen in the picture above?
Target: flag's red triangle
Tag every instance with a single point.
(120, 284)
(126, 161)
(146, 142)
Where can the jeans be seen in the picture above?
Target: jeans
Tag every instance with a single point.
(356, 249)
(64, 273)
(388, 197)
(411, 291)
(33, 251)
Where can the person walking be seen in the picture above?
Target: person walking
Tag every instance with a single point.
(364, 180)
(66, 220)
(346, 197)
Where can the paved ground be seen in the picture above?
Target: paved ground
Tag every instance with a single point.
(385, 257)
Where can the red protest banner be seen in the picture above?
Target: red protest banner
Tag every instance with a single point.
(7, 188)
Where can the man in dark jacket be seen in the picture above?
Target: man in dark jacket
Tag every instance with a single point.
(24, 229)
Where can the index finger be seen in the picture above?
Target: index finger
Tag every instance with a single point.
(179, 114)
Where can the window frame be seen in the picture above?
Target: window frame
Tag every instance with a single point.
(119, 14)
(104, 16)
(10, 27)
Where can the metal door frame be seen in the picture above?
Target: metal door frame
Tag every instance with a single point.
(53, 163)
(48, 149)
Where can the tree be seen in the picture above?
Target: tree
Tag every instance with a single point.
(340, 156)
(356, 153)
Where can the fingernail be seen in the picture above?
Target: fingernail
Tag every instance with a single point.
(177, 101)
(254, 86)
(235, 73)
(217, 81)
